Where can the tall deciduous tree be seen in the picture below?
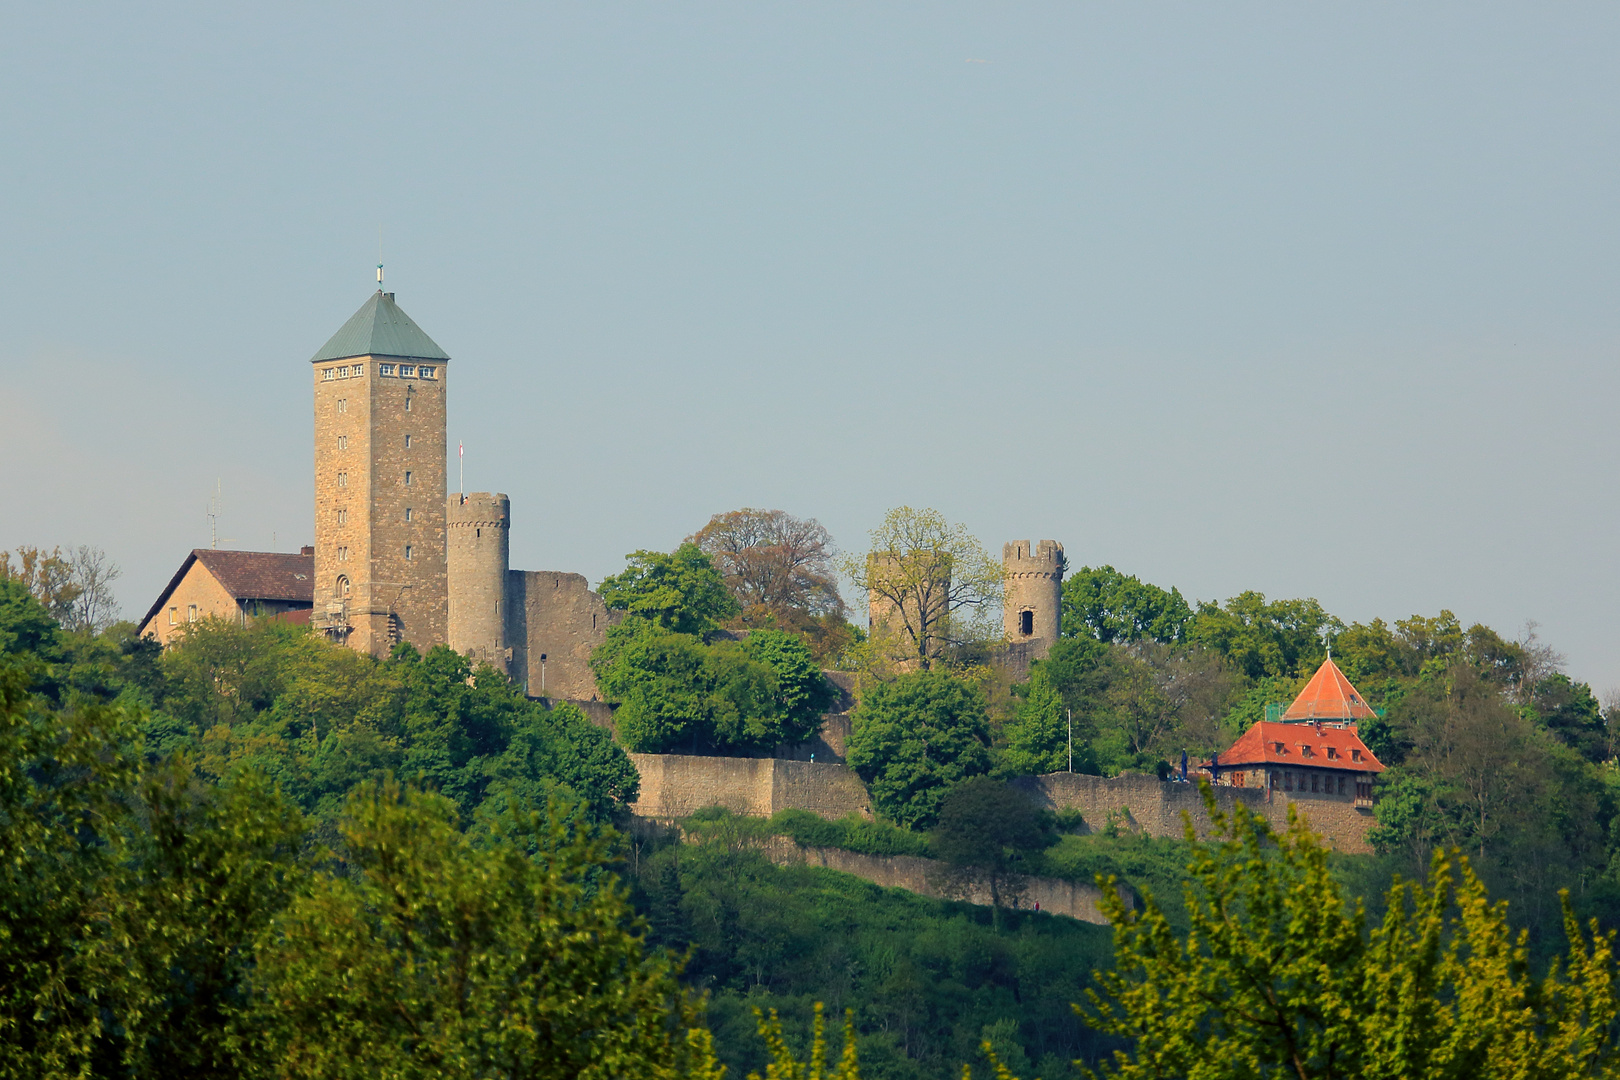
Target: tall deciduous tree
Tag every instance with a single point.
(990, 832)
(680, 590)
(911, 740)
(925, 577)
(1261, 638)
(1111, 606)
(773, 560)
(47, 575)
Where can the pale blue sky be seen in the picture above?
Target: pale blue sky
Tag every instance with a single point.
(1312, 299)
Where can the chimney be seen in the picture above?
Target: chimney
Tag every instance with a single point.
(306, 550)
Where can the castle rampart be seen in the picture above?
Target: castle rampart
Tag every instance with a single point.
(676, 786)
(1141, 803)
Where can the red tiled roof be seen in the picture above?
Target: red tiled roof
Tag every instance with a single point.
(1320, 746)
(1328, 696)
(250, 575)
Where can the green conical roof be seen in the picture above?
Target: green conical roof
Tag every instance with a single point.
(380, 328)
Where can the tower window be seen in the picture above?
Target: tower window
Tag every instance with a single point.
(385, 369)
(340, 587)
(407, 513)
(407, 402)
(406, 371)
(407, 551)
(478, 534)
(343, 372)
(343, 405)
(343, 517)
(428, 372)
(343, 442)
(358, 370)
(407, 478)
(343, 479)
(407, 442)
(327, 374)
(1026, 623)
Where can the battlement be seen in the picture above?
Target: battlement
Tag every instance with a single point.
(1046, 558)
(479, 509)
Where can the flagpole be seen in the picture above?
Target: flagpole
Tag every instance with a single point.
(461, 461)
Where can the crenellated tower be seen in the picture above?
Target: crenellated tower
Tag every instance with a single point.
(1033, 606)
(380, 482)
(479, 528)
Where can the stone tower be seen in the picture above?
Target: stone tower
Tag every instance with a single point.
(1033, 607)
(479, 528)
(380, 482)
(922, 579)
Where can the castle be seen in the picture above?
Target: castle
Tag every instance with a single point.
(399, 557)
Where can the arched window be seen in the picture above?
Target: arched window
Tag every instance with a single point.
(341, 588)
(1026, 623)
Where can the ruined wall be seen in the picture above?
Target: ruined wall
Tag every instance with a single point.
(679, 785)
(930, 877)
(1147, 804)
(557, 615)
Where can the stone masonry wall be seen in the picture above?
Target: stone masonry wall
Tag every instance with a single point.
(1147, 804)
(678, 785)
(558, 615)
(930, 877)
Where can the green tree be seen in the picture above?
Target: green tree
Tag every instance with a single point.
(1277, 976)
(991, 833)
(676, 693)
(1111, 606)
(1260, 638)
(1039, 734)
(680, 591)
(441, 953)
(915, 738)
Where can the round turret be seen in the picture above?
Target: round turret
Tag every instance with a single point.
(1033, 606)
(478, 532)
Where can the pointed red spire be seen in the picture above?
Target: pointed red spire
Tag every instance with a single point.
(1328, 696)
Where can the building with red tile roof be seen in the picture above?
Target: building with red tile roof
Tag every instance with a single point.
(1314, 752)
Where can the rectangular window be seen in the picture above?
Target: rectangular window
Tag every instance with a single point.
(343, 517)
(407, 551)
(407, 478)
(191, 613)
(343, 372)
(174, 616)
(358, 370)
(343, 442)
(406, 371)
(385, 369)
(1355, 755)
(1341, 785)
(407, 442)
(1315, 781)
(326, 374)
(407, 513)
(407, 403)
(427, 372)
(343, 479)
(343, 405)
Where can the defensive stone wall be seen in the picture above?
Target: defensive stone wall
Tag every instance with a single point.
(557, 616)
(829, 744)
(930, 877)
(678, 785)
(1142, 803)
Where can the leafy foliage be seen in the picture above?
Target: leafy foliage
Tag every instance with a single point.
(916, 737)
(1277, 976)
(1110, 606)
(993, 833)
(676, 693)
(680, 591)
